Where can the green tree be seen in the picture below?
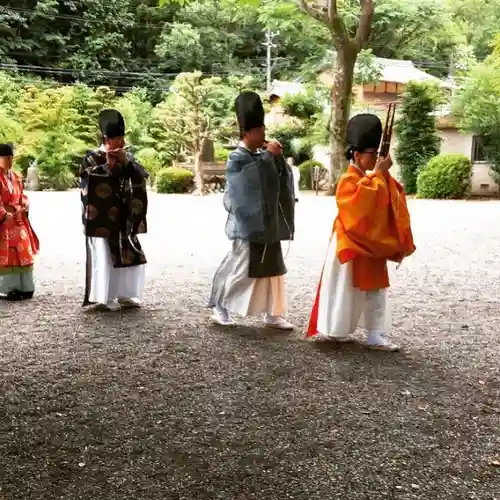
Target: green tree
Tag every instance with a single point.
(306, 125)
(418, 140)
(477, 107)
(195, 110)
(421, 31)
(86, 102)
(347, 44)
(136, 110)
(49, 124)
(477, 21)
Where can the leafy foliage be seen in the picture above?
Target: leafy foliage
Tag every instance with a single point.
(445, 177)
(306, 173)
(306, 125)
(174, 180)
(418, 140)
(477, 21)
(304, 105)
(152, 162)
(293, 136)
(367, 70)
(110, 50)
(55, 125)
(220, 153)
(195, 110)
(477, 107)
(129, 43)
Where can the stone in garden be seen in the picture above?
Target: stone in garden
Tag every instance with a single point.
(208, 153)
(32, 179)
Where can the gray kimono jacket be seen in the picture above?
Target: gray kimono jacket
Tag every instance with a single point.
(260, 201)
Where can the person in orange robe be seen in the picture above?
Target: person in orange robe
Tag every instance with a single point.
(18, 242)
(372, 227)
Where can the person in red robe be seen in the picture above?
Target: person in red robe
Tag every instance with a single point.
(18, 242)
(372, 227)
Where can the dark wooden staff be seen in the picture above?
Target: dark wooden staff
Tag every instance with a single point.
(387, 135)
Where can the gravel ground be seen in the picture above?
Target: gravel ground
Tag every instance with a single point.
(159, 404)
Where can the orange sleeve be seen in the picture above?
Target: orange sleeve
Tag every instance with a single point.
(369, 213)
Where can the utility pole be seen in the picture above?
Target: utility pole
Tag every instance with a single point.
(269, 46)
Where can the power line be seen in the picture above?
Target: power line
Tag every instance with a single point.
(145, 59)
(103, 73)
(72, 71)
(54, 83)
(41, 71)
(108, 73)
(70, 17)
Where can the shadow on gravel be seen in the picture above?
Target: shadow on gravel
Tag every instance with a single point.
(152, 405)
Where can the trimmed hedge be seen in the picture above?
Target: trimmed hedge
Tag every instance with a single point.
(174, 180)
(446, 176)
(306, 173)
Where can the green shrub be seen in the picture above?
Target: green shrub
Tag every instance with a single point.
(418, 140)
(306, 173)
(151, 161)
(221, 153)
(174, 180)
(445, 176)
(303, 105)
(292, 136)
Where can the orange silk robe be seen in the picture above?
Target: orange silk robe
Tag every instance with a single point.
(18, 242)
(372, 226)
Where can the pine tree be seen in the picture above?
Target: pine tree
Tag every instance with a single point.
(418, 140)
(196, 109)
(50, 125)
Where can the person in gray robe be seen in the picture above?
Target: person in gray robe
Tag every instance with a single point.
(260, 202)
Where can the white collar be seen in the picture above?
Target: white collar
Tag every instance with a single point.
(244, 146)
(359, 170)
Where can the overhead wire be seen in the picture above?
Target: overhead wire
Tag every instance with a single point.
(71, 17)
(122, 74)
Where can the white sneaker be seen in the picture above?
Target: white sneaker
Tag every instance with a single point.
(278, 322)
(378, 343)
(129, 303)
(221, 317)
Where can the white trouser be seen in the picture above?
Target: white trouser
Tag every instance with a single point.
(109, 283)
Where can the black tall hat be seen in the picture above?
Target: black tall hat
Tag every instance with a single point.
(111, 123)
(6, 150)
(249, 111)
(364, 132)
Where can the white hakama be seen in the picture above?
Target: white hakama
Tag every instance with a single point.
(340, 308)
(107, 283)
(235, 292)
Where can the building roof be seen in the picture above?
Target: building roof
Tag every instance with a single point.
(399, 71)
(396, 71)
(393, 70)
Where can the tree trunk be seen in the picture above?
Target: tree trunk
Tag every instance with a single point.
(341, 107)
(199, 178)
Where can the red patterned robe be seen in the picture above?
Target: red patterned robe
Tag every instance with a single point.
(18, 242)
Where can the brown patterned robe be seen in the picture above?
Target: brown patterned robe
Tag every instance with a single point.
(114, 206)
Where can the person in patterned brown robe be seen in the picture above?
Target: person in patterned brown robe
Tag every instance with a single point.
(114, 202)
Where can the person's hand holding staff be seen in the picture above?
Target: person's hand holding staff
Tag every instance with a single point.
(274, 147)
(384, 162)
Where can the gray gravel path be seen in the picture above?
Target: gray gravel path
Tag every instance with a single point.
(159, 404)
